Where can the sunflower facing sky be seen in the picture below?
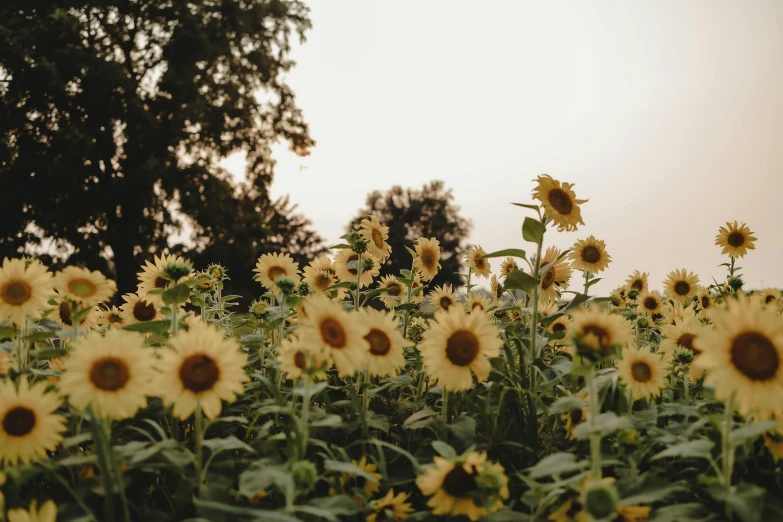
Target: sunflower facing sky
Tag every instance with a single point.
(387, 346)
(110, 317)
(110, 374)
(271, 266)
(375, 235)
(682, 334)
(396, 505)
(637, 281)
(507, 266)
(394, 291)
(643, 372)
(201, 369)
(735, 239)
(456, 344)
(650, 302)
(589, 255)
(556, 276)
(559, 202)
(28, 425)
(596, 333)
(294, 358)
(442, 297)
(427, 259)
(63, 314)
(370, 267)
(153, 277)
(743, 355)
(681, 285)
(84, 287)
(24, 290)
(473, 259)
(138, 310)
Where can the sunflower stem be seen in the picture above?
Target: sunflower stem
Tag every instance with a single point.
(686, 384)
(363, 382)
(595, 437)
(305, 417)
(534, 319)
(359, 263)
(444, 410)
(174, 325)
(280, 334)
(408, 300)
(19, 349)
(728, 450)
(199, 429)
(106, 469)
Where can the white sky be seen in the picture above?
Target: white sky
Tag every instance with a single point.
(667, 115)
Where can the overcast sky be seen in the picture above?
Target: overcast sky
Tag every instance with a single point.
(668, 116)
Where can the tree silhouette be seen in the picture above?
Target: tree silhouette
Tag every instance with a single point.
(115, 115)
(411, 214)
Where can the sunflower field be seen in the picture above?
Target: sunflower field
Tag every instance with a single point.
(343, 396)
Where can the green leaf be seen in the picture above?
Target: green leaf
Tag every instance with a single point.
(415, 420)
(699, 449)
(748, 501)
(229, 443)
(519, 280)
(261, 475)
(257, 514)
(750, 432)
(557, 464)
(330, 421)
(527, 205)
(508, 252)
(339, 246)
(533, 230)
(347, 467)
(49, 353)
(7, 331)
(564, 404)
(604, 424)
(411, 251)
(464, 428)
(40, 335)
(444, 449)
(337, 505)
(652, 495)
(157, 327)
(684, 512)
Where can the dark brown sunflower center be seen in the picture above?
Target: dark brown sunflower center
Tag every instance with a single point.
(558, 327)
(462, 348)
(768, 299)
(333, 333)
(576, 415)
(705, 302)
(560, 201)
(114, 318)
(82, 287)
(377, 238)
(651, 303)
(459, 483)
(480, 263)
(16, 292)
(380, 344)
(753, 354)
(19, 421)
(65, 313)
(323, 281)
(161, 282)
(549, 279)
(300, 361)
(641, 371)
(686, 341)
(199, 373)
(591, 254)
(736, 239)
(144, 311)
(445, 302)
(598, 331)
(638, 284)
(275, 272)
(682, 288)
(428, 259)
(477, 304)
(109, 374)
(394, 289)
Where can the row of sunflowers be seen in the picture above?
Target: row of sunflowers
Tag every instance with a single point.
(343, 395)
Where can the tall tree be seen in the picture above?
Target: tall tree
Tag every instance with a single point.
(410, 214)
(116, 113)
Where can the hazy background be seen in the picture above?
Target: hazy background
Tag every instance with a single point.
(668, 116)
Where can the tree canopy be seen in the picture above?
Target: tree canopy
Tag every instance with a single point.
(116, 114)
(413, 213)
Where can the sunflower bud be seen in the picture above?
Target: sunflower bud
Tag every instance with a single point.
(683, 356)
(356, 242)
(615, 300)
(643, 322)
(490, 481)
(736, 283)
(285, 284)
(601, 499)
(305, 473)
(176, 270)
(204, 282)
(217, 272)
(633, 294)
(258, 310)
(303, 289)
(629, 438)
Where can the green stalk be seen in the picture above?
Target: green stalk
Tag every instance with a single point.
(106, 469)
(362, 386)
(686, 384)
(587, 276)
(409, 297)
(305, 416)
(595, 438)
(727, 448)
(534, 320)
(199, 429)
(19, 348)
(359, 263)
(444, 410)
(174, 325)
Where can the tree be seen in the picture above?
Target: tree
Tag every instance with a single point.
(411, 214)
(115, 115)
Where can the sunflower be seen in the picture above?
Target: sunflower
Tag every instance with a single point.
(744, 356)
(468, 485)
(111, 374)
(294, 357)
(681, 285)
(643, 372)
(154, 277)
(596, 333)
(390, 507)
(561, 324)
(387, 346)
(475, 263)
(475, 301)
(507, 266)
(47, 513)
(773, 439)
(350, 482)
(376, 235)
(417, 297)
(650, 301)
(557, 275)
(271, 266)
(110, 318)
(29, 426)
(394, 292)
(370, 268)
(24, 290)
(138, 310)
(442, 297)
(618, 297)
(202, 368)
(427, 259)
(456, 344)
(333, 334)
(769, 296)
(63, 314)
(496, 289)
(559, 202)
(589, 255)
(675, 310)
(570, 511)
(637, 281)
(681, 334)
(6, 362)
(575, 416)
(706, 300)
(547, 308)
(633, 513)
(319, 279)
(84, 287)
(735, 239)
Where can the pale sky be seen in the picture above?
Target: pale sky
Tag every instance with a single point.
(667, 115)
